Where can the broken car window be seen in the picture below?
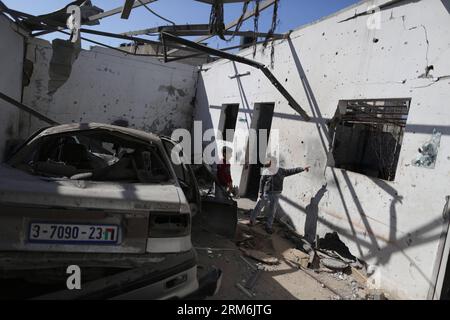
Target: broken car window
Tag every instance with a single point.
(97, 155)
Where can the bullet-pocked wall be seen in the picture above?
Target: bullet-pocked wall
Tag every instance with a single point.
(11, 62)
(400, 52)
(107, 86)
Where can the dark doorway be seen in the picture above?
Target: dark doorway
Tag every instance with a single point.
(228, 120)
(445, 294)
(262, 120)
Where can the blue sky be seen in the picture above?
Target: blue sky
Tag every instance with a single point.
(292, 14)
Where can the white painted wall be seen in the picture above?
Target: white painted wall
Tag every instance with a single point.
(11, 62)
(393, 225)
(106, 85)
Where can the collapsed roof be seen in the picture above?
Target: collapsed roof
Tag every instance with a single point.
(171, 45)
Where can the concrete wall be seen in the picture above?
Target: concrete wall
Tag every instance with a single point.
(392, 225)
(11, 61)
(106, 85)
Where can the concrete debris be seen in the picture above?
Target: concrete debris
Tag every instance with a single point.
(260, 256)
(324, 269)
(371, 270)
(244, 237)
(245, 291)
(248, 276)
(334, 264)
(298, 240)
(298, 255)
(340, 276)
(250, 283)
(376, 295)
(332, 243)
(249, 263)
(334, 255)
(359, 276)
(357, 264)
(261, 267)
(215, 249)
(326, 255)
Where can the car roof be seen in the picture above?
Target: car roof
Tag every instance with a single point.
(74, 127)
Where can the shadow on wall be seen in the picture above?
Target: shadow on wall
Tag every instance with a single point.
(203, 114)
(244, 100)
(312, 214)
(317, 117)
(382, 254)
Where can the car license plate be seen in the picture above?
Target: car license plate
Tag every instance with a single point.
(73, 233)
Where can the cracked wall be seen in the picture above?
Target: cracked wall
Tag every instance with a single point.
(11, 65)
(107, 86)
(394, 226)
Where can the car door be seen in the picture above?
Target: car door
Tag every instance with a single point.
(185, 177)
(219, 210)
(216, 209)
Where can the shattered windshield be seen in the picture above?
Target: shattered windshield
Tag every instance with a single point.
(97, 155)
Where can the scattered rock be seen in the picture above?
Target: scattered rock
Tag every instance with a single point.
(245, 291)
(375, 295)
(340, 276)
(334, 264)
(359, 276)
(260, 256)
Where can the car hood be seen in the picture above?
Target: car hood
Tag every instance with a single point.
(20, 188)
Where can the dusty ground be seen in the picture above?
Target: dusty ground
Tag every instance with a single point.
(287, 280)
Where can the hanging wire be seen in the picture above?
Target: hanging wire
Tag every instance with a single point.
(271, 32)
(154, 13)
(240, 21)
(256, 26)
(216, 19)
(274, 25)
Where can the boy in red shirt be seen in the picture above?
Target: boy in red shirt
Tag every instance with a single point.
(224, 171)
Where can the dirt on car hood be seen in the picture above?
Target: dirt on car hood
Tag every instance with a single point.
(20, 188)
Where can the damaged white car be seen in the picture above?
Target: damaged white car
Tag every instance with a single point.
(104, 198)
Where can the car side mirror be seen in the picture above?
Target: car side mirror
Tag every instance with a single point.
(11, 147)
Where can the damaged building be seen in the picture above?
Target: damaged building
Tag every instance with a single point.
(375, 100)
(360, 96)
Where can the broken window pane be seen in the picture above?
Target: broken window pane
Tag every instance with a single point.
(367, 136)
(428, 152)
